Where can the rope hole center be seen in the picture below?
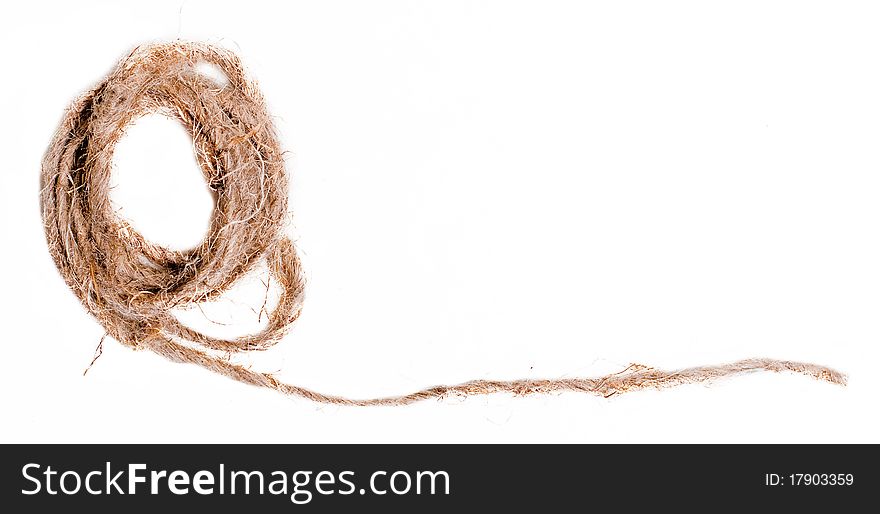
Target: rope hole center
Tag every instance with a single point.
(156, 184)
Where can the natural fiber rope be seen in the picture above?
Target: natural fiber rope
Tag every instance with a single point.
(130, 285)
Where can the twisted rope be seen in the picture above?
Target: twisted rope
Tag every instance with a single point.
(130, 285)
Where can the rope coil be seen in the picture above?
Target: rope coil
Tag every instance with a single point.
(130, 284)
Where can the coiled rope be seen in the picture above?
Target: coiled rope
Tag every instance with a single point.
(130, 284)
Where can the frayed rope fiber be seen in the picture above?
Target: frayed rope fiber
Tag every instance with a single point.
(130, 284)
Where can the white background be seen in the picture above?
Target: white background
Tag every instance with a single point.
(484, 189)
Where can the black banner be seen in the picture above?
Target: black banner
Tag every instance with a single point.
(419, 478)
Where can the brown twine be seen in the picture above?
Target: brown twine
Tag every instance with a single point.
(130, 285)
